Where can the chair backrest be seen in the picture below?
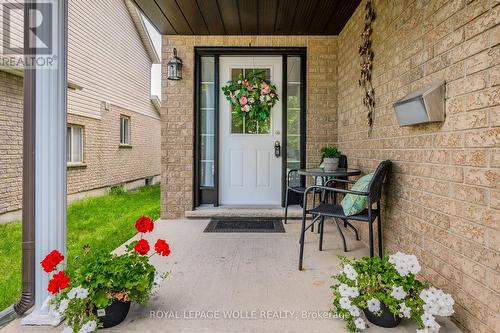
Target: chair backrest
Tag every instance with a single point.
(375, 186)
(343, 161)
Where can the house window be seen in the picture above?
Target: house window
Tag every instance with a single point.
(74, 148)
(124, 130)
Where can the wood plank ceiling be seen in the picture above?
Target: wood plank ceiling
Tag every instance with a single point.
(248, 17)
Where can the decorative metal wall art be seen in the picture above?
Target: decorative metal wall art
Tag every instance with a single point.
(366, 54)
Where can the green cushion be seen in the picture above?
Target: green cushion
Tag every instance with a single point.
(353, 204)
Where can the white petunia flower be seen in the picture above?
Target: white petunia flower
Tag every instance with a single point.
(405, 310)
(63, 305)
(72, 293)
(350, 272)
(360, 324)
(67, 329)
(343, 290)
(428, 319)
(82, 293)
(405, 263)
(345, 303)
(88, 327)
(437, 303)
(373, 305)
(398, 292)
(354, 311)
(353, 292)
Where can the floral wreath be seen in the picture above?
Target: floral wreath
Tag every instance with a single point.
(251, 97)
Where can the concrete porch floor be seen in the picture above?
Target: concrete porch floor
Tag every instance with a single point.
(236, 273)
(208, 211)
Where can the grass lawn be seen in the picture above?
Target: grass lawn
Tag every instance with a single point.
(101, 222)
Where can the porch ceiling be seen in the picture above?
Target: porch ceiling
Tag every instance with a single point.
(248, 17)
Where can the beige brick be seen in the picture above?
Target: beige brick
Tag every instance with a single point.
(483, 177)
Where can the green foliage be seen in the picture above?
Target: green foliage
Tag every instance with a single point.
(117, 190)
(104, 223)
(375, 278)
(259, 99)
(330, 152)
(127, 277)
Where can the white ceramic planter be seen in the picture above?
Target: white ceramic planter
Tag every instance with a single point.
(330, 164)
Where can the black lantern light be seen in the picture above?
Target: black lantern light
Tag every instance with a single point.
(174, 67)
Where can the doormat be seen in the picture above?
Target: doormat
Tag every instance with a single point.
(245, 225)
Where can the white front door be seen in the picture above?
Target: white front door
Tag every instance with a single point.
(250, 173)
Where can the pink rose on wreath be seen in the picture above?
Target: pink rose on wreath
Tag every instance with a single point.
(245, 83)
(265, 88)
(245, 108)
(243, 100)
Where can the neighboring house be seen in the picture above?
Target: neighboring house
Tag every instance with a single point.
(113, 122)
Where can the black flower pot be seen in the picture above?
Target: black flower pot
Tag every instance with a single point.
(386, 319)
(114, 314)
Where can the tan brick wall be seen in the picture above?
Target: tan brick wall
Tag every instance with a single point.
(178, 108)
(443, 199)
(11, 137)
(106, 163)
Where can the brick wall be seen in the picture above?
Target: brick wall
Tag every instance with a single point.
(443, 199)
(177, 109)
(11, 137)
(105, 163)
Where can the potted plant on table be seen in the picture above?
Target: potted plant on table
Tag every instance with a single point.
(103, 285)
(330, 158)
(386, 290)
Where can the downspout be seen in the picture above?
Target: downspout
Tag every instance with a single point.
(27, 299)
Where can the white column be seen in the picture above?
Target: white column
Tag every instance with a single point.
(50, 155)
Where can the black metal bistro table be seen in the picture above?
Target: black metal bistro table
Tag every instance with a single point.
(320, 172)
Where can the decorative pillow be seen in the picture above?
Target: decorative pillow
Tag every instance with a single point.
(353, 204)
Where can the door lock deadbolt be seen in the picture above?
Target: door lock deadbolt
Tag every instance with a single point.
(277, 149)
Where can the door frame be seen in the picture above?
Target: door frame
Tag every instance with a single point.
(211, 195)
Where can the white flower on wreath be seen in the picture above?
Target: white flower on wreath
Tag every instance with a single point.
(373, 305)
(88, 327)
(405, 310)
(398, 292)
(360, 324)
(345, 303)
(350, 272)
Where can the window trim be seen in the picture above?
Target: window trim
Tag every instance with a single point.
(70, 146)
(123, 143)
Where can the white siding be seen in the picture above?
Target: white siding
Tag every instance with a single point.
(106, 56)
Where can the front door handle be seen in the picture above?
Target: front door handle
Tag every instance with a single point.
(277, 149)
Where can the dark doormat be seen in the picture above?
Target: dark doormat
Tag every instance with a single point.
(245, 225)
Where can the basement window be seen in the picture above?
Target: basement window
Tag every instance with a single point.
(74, 148)
(124, 130)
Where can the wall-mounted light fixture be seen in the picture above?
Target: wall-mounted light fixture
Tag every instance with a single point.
(174, 67)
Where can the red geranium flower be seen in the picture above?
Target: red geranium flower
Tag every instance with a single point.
(58, 282)
(142, 247)
(51, 261)
(161, 247)
(144, 224)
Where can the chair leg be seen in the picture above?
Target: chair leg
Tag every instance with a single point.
(341, 234)
(302, 236)
(321, 227)
(286, 205)
(314, 205)
(346, 223)
(370, 237)
(379, 226)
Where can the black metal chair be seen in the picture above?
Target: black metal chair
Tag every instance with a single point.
(325, 209)
(301, 189)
